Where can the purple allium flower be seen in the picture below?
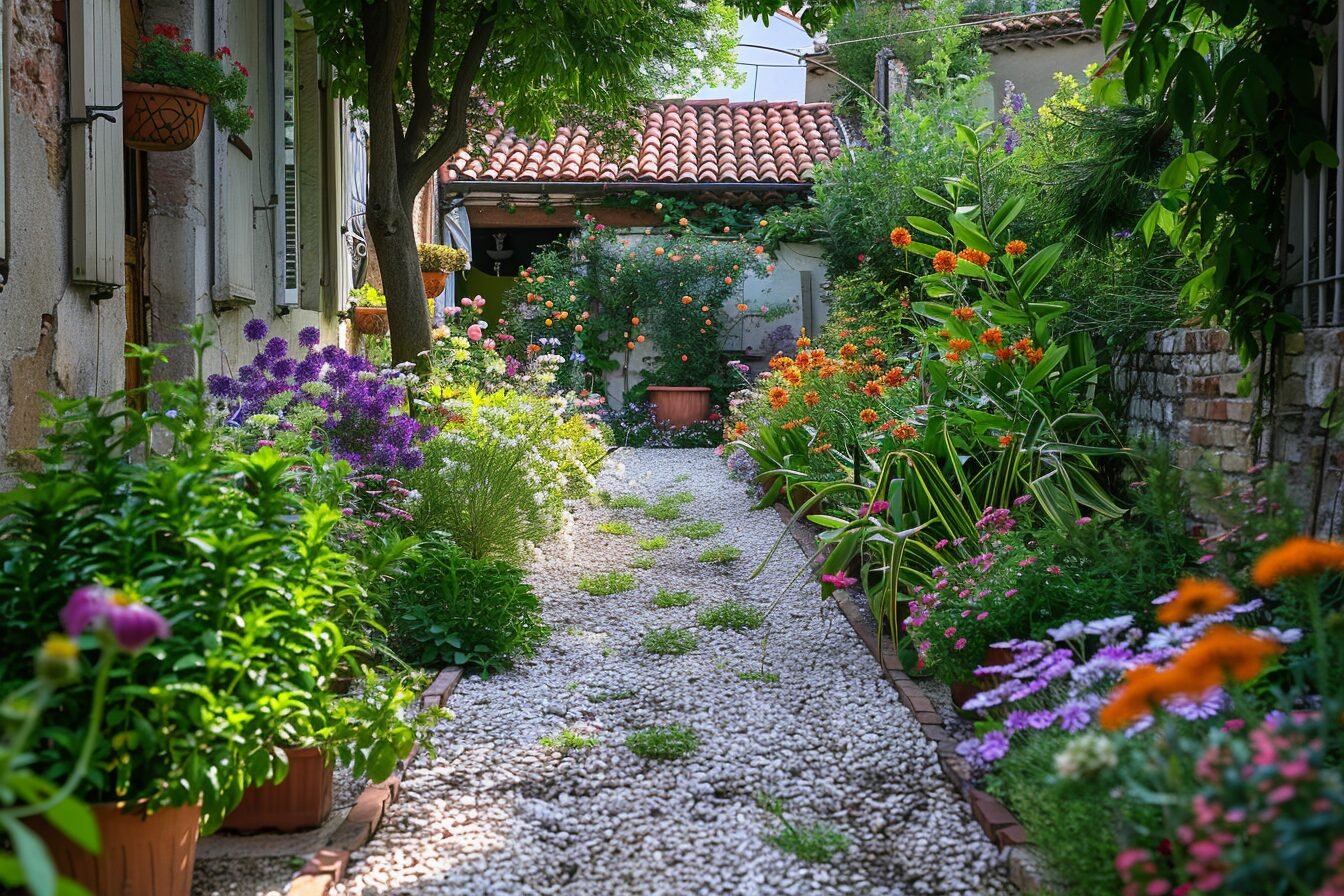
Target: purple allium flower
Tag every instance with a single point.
(276, 347)
(221, 386)
(283, 368)
(309, 337)
(255, 330)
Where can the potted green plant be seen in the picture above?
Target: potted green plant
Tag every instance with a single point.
(436, 263)
(168, 89)
(236, 551)
(368, 311)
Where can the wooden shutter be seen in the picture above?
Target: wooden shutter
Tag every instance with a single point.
(97, 198)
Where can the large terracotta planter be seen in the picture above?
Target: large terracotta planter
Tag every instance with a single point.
(301, 801)
(370, 321)
(680, 406)
(147, 855)
(157, 118)
(435, 281)
(965, 690)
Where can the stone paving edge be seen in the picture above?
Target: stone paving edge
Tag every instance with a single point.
(327, 866)
(1025, 866)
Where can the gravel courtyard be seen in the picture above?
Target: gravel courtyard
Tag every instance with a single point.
(499, 814)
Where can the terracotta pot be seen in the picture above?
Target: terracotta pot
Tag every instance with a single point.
(435, 281)
(965, 690)
(157, 118)
(148, 855)
(680, 405)
(301, 801)
(370, 321)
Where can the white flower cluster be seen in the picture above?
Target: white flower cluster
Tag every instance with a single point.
(1085, 756)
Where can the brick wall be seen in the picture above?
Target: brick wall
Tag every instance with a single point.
(1183, 389)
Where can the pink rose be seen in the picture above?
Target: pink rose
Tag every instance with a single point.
(474, 332)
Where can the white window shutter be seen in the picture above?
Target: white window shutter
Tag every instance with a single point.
(97, 194)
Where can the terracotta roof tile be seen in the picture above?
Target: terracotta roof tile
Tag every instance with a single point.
(1059, 26)
(682, 141)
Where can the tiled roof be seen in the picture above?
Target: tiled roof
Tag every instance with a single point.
(1047, 28)
(683, 141)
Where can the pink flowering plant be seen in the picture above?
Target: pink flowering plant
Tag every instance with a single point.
(165, 57)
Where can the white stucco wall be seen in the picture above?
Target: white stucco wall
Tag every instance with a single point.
(1032, 70)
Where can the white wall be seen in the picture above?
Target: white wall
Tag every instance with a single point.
(766, 80)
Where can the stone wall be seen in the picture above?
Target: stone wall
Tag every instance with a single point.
(1184, 389)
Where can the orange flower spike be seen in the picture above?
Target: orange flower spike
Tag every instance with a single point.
(848, 350)
(1016, 247)
(1143, 690)
(944, 262)
(1224, 652)
(1296, 558)
(1005, 354)
(963, 312)
(1034, 355)
(811, 399)
(900, 238)
(1196, 597)
(992, 336)
(959, 345)
(779, 397)
(974, 256)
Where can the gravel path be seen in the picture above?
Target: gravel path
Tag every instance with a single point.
(497, 814)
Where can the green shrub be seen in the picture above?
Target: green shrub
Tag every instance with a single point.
(665, 599)
(616, 527)
(724, 553)
(732, 615)
(669, 641)
(446, 607)
(698, 529)
(670, 742)
(607, 583)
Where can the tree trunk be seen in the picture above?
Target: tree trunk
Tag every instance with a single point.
(389, 219)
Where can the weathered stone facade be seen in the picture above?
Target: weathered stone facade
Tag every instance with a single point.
(1186, 388)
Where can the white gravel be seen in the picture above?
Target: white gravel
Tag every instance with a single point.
(496, 814)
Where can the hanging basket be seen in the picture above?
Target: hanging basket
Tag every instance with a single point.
(435, 281)
(370, 321)
(161, 119)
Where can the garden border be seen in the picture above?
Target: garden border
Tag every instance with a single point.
(1025, 867)
(328, 864)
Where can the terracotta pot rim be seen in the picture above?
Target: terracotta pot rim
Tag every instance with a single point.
(678, 388)
(143, 87)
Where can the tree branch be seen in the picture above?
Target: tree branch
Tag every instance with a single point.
(454, 135)
(423, 112)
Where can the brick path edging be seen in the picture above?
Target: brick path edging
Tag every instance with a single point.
(1025, 867)
(327, 866)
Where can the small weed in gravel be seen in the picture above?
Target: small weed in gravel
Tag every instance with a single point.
(616, 527)
(771, 677)
(567, 740)
(698, 529)
(611, 695)
(731, 614)
(678, 498)
(601, 497)
(642, 561)
(623, 502)
(666, 599)
(724, 553)
(671, 742)
(810, 842)
(682, 477)
(656, 543)
(669, 641)
(607, 583)
(663, 509)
